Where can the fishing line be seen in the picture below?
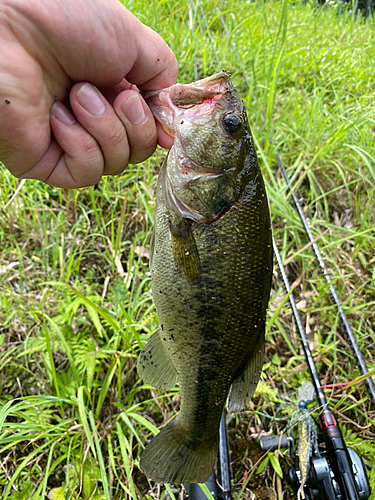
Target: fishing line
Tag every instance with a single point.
(298, 205)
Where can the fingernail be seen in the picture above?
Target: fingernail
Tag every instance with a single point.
(60, 112)
(133, 110)
(90, 99)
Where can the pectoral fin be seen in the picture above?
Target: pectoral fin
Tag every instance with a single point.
(245, 384)
(185, 251)
(155, 364)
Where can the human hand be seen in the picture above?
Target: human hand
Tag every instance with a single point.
(70, 75)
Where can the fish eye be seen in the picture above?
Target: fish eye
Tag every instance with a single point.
(232, 123)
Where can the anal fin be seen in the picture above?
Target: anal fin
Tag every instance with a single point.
(155, 364)
(245, 384)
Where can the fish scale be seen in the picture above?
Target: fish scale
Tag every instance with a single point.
(202, 345)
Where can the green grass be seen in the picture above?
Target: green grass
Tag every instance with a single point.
(75, 301)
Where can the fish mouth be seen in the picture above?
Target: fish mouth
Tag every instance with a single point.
(187, 101)
(187, 96)
(215, 84)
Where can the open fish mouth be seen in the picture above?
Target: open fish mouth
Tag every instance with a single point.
(208, 89)
(204, 88)
(180, 101)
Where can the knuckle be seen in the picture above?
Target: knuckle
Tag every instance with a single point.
(89, 150)
(117, 136)
(149, 138)
(88, 161)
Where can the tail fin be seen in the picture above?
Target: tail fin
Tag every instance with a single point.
(173, 457)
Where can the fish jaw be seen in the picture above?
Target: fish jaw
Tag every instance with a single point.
(178, 102)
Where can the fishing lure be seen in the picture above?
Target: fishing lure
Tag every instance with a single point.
(306, 437)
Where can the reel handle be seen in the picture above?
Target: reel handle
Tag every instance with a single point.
(272, 443)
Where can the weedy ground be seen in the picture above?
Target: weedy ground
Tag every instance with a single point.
(75, 301)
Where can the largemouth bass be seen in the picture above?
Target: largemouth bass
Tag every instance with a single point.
(211, 268)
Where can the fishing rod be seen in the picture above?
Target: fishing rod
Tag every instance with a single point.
(337, 472)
